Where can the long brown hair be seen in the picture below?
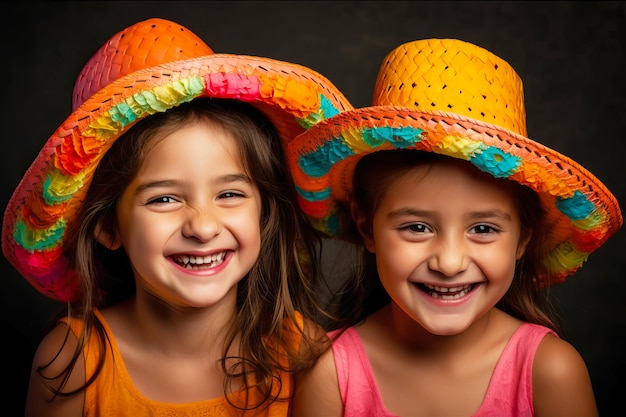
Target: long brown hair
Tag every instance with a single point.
(363, 293)
(282, 284)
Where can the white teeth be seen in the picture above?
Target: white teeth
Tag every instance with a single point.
(449, 297)
(448, 289)
(440, 292)
(194, 262)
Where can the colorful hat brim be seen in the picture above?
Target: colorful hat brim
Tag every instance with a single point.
(582, 213)
(51, 192)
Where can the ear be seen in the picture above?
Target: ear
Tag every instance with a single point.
(363, 225)
(523, 243)
(106, 238)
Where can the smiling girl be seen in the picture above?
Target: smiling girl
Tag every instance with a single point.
(161, 212)
(463, 222)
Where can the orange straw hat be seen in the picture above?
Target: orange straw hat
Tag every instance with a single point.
(454, 98)
(147, 68)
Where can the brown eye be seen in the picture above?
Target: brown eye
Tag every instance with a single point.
(230, 194)
(483, 228)
(416, 228)
(162, 200)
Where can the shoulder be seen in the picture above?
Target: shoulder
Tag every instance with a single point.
(317, 391)
(52, 361)
(324, 369)
(561, 381)
(56, 349)
(556, 361)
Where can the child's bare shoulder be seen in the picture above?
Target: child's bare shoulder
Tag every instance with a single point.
(561, 381)
(318, 390)
(557, 361)
(50, 368)
(56, 350)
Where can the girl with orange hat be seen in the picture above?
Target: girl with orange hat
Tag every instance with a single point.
(160, 213)
(463, 222)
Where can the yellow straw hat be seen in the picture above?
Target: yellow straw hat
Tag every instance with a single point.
(454, 98)
(147, 68)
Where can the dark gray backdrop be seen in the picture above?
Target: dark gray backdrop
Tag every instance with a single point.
(570, 56)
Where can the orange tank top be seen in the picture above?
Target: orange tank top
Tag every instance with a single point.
(113, 392)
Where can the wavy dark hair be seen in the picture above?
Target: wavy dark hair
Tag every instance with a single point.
(362, 293)
(283, 283)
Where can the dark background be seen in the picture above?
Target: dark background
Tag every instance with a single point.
(570, 56)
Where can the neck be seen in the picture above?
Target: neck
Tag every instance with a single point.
(407, 334)
(172, 330)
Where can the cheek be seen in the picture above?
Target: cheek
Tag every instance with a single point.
(245, 225)
(250, 235)
(247, 233)
(139, 238)
(394, 261)
(140, 231)
(498, 265)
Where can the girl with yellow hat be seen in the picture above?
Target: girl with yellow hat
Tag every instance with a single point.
(464, 222)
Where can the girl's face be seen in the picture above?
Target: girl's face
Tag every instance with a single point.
(446, 238)
(190, 220)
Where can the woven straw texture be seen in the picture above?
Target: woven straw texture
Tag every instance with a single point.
(454, 98)
(149, 67)
(470, 82)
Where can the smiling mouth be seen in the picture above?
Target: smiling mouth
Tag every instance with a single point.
(446, 293)
(200, 262)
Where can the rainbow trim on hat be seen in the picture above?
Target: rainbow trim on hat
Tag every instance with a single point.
(453, 98)
(583, 213)
(39, 234)
(52, 191)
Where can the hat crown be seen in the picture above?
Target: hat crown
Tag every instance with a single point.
(145, 44)
(449, 75)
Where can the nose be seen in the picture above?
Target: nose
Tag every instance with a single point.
(202, 224)
(449, 256)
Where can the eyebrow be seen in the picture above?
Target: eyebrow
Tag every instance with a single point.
(408, 212)
(492, 213)
(427, 213)
(225, 179)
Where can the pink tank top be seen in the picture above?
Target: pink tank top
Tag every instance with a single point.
(509, 392)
